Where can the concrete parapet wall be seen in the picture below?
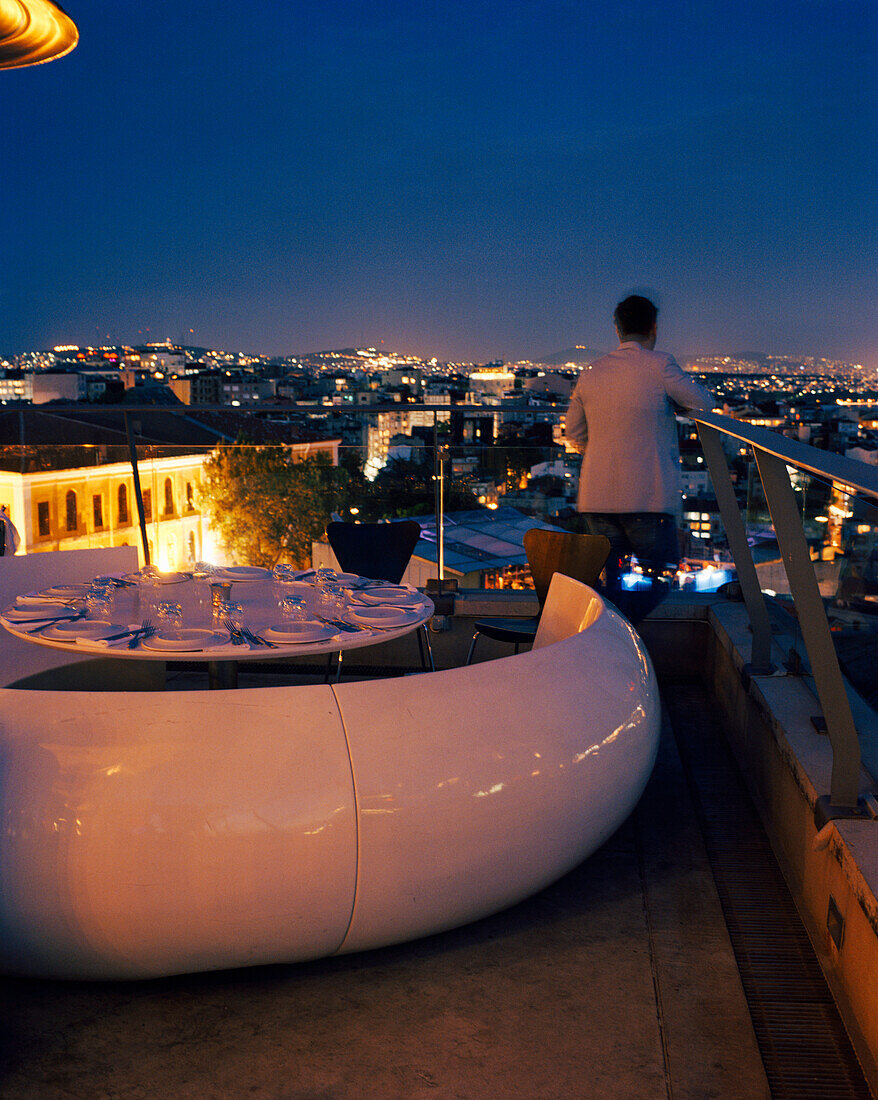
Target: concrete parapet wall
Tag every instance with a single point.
(787, 765)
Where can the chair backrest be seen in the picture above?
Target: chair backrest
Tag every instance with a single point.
(377, 550)
(570, 608)
(579, 556)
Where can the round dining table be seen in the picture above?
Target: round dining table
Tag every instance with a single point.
(233, 616)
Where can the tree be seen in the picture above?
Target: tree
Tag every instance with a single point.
(267, 504)
(404, 488)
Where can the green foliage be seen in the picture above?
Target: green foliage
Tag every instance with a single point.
(403, 488)
(267, 505)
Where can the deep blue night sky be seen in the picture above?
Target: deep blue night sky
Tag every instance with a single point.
(469, 179)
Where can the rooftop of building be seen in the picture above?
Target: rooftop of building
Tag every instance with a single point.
(60, 434)
(672, 962)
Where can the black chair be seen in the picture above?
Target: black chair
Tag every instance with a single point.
(548, 552)
(380, 551)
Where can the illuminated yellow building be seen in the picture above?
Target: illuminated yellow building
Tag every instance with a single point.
(95, 506)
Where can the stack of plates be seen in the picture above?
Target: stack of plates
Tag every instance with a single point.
(91, 629)
(381, 617)
(307, 631)
(35, 611)
(191, 639)
(240, 573)
(397, 595)
(58, 592)
(162, 578)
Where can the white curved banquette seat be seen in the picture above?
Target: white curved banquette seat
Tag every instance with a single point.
(151, 833)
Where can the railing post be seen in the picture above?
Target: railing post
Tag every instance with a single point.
(736, 533)
(138, 493)
(815, 629)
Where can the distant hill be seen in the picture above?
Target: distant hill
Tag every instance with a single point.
(580, 355)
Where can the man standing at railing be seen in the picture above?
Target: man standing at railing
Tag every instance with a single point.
(621, 419)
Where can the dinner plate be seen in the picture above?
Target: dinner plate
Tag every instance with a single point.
(386, 617)
(291, 633)
(191, 640)
(80, 628)
(66, 591)
(39, 611)
(395, 594)
(163, 578)
(241, 573)
(28, 599)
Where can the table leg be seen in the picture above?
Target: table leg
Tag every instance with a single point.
(222, 674)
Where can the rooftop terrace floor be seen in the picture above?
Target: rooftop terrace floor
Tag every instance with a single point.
(620, 980)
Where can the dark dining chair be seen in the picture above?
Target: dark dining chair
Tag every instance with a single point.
(380, 551)
(548, 552)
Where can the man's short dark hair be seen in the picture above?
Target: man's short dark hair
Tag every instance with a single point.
(635, 316)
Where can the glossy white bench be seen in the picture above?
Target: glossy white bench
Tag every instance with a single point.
(150, 834)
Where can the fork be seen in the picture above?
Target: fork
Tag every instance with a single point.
(340, 624)
(146, 631)
(235, 634)
(257, 639)
(43, 623)
(146, 625)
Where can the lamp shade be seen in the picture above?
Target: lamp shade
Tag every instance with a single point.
(34, 31)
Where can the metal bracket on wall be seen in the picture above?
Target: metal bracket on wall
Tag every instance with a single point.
(866, 809)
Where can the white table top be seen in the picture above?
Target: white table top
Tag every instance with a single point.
(252, 588)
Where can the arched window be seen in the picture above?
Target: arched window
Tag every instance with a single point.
(171, 546)
(190, 496)
(169, 497)
(43, 522)
(147, 505)
(71, 510)
(122, 506)
(190, 546)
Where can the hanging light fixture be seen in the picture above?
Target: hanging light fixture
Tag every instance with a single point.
(34, 31)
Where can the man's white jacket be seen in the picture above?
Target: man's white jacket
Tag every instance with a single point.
(622, 420)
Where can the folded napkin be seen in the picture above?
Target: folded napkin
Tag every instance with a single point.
(36, 597)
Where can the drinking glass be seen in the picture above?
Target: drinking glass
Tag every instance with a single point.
(220, 597)
(293, 609)
(98, 602)
(331, 600)
(148, 583)
(169, 616)
(235, 616)
(283, 576)
(202, 571)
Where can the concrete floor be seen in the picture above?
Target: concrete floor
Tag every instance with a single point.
(618, 981)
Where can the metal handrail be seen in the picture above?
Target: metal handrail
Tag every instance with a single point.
(847, 471)
(774, 453)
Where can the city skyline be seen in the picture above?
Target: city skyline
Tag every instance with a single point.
(477, 182)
